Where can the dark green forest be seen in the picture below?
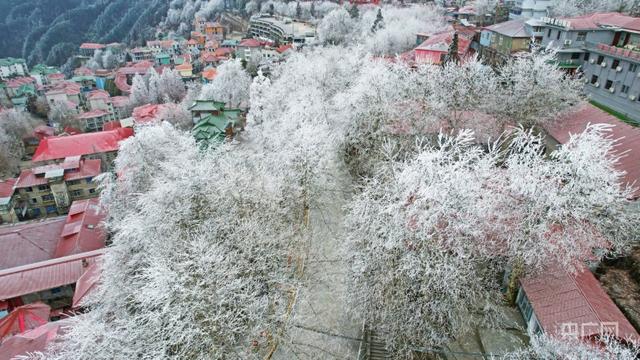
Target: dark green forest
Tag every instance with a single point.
(50, 31)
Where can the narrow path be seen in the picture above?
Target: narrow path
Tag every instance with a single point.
(321, 327)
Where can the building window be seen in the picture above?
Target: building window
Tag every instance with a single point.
(51, 209)
(29, 189)
(73, 182)
(633, 67)
(524, 305)
(586, 56)
(43, 187)
(608, 84)
(625, 89)
(549, 33)
(615, 63)
(594, 79)
(47, 198)
(34, 200)
(76, 193)
(575, 56)
(35, 212)
(582, 35)
(558, 36)
(600, 59)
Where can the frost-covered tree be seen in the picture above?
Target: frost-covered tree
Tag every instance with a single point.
(544, 347)
(171, 86)
(429, 236)
(177, 115)
(564, 8)
(209, 279)
(258, 95)
(231, 85)
(336, 27)
(535, 89)
(14, 126)
(153, 86)
(139, 91)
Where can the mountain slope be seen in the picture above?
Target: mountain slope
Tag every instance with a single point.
(51, 30)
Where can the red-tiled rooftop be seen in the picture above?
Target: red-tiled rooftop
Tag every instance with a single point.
(209, 73)
(98, 94)
(93, 114)
(92, 46)
(559, 298)
(60, 147)
(27, 243)
(20, 81)
(147, 113)
(44, 275)
(6, 187)
(600, 20)
(120, 101)
(575, 122)
(250, 43)
(87, 168)
(83, 230)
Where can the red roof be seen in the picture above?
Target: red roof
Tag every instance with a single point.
(111, 125)
(120, 101)
(19, 81)
(6, 187)
(140, 67)
(23, 318)
(93, 114)
(208, 57)
(87, 283)
(147, 113)
(575, 121)
(283, 48)
(32, 341)
(67, 87)
(83, 230)
(559, 298)
(436, 45)
(600, 20)
(250, 43)
(98, 94)
(83, 71)
(92, 46)
(185, 66)
(59, 147)
(45, 275)
(86, 168)
(223, 51)
(56, 76)
(27, 243)
(43, 131)
(210, 73)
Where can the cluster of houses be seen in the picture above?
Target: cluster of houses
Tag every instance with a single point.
(603, 48)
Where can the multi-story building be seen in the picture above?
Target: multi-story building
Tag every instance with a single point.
(50, 189)
(101, 145)
(535, 9)
(214, 31)
(605, 47)
(280, 30)
(88, 49)
(13, 67)
(7, 212)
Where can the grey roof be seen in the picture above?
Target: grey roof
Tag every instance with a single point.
(513, 28)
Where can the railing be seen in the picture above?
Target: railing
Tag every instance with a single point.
(615, 51)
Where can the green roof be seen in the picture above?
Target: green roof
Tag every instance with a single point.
(162, 56)
(44, 70)
(19, 100)
(207, 105)
(230, 42)
(179, 60)
(11, 61)
(212, 128)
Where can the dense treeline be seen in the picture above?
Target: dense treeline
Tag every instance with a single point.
(51, 30)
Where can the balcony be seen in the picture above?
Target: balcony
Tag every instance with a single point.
(633, 54)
